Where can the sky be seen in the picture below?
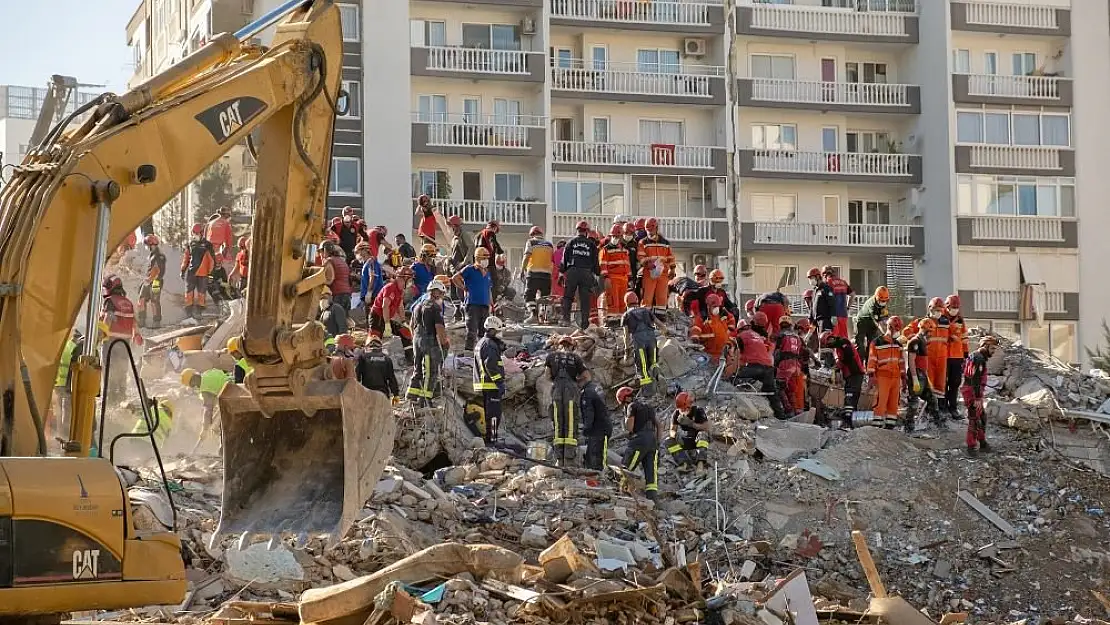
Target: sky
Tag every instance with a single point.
(86, 39)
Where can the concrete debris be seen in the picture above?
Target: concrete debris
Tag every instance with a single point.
(783, 441)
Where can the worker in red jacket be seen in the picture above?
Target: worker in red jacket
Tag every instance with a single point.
(973, 389)
(760, 363)
(775, 305)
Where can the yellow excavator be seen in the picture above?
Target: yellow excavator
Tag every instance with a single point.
(301, 453)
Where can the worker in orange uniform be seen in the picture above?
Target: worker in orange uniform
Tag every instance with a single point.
(657, 262)
(938, 349)
(712, 331)
(220, 236)
(150, 293)
(791, 357)
(917, 364)
(196, 265)
(242, 263)
(884, 365)
(615, 269)
(957, 351)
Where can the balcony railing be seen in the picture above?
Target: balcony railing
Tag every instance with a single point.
(830, 20)
(818, 92)
(1032, 87)
(1013, 15)
(514, 62)
(677, 229)
(1007, 301)
(1016, 228)
(1015, 156)
(635, 11)
(847, 163)
(628, 78)
(484, 211)
(488, 131)
(817, 234)
(653, 155)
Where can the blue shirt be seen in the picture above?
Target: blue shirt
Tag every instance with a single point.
(422, 276)
(478, 286)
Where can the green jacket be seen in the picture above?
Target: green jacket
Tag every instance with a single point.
(871, 310)
(213, 381)
(62, 379)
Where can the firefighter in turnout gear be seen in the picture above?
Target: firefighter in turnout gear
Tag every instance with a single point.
(580, 269)
(850, 366)
(975, 384)
(688, 440)
(842, 296)
(150, 293)
(640, 338)
(536, 270)
(791, 356)
(657, 262)
(431, 345)
(644, 433)
(596, 425)
(374, 370)
(489, 375)
(615, 270)
(885, 367)
(938, 350)
(196, 266)
(117, 313)
(871, 313)
(628, 240)
(917, 367)
(823, 313)
(957, 352)
(565, 368)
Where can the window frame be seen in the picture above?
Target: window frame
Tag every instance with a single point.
(356, 99)
(771, 56)
(763, 126)
(335, 160)
(507, 175)
(774, 198)
(357, 14)
(971, 187)
(981, 115)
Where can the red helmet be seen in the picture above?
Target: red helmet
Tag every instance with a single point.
(826, 338)
(244, 242)
(651, 225)
(500, 260)
(454, 220)
(895, 324)
(404, 272)
(936, 302)
(828, 270)
(683, 401)
(700, 271)
(808, 295)
(536, 231)
(198, 229)
(803, 325)
(631, 299)
(952, 301)
(749, 306)
(716, 277)
(494, 225)
(582, 226)
(382, 230)
(629, 228)
(624, 394)
(713, 300)
(741, 325)
(345, 341)
(151, 239)
(759, 319)
(814, 272)
(350, 210)
(336, 221)
(111, 283)
(595, 235)
(616, 230)
(641, 224)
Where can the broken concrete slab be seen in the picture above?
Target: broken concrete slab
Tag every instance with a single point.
(784, 441)
(260, 564)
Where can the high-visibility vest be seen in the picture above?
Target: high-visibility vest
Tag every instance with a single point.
(65, 362)
(213, 381)
(165, 424)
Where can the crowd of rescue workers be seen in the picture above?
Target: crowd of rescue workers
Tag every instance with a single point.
(625, 280)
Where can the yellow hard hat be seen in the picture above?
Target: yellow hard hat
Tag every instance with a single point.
(325, 291)
(187, 376)
(481, 253)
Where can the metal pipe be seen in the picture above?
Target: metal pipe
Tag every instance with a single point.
(269, 19)
(105, 192)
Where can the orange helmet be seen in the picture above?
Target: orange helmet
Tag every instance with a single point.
(814, 272)
(683, 401)
(952, 301)
(936, 302)
(894, 323)
(927, 325)
(717, 277)
(616, 230)
(651, 225)
(641, 224)
(713, 300)
(631, 299)
(345, 341)
(151, 239)
(624, 394)
(882, 294)
(759, 319)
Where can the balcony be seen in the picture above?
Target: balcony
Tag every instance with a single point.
(1015, 160)
(697, 17)
(508, 4)
(788, 236)
(1013, 90)
(830, 166)
(700, 232)
(492, 135)
(826, 23)
(634, 158)
(1010, 230)
(624, 82)
(514, 216)
(474, 63)
(1012, 19)
(1006, 304)
(829, 96)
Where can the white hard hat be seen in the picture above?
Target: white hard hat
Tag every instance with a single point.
(436, 285)
(494, 323)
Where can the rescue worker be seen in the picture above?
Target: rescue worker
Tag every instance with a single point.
(348, 232)
(775, 305)
(209, 384)
(688, 440)
(535, 271)
(871, 313)
(657, 263)
(341, 365)
(938, 351)
(974, 386)
(812, 340)
(459, 252)
(196, 265)
(716, 287)
(150, 293)
(850, 366)
(374, 370)
(219, 234)
(884, 365)
(628, 239)
(161, 412)
(242, 365)
(500, 278)
(63, 381)
(581, 270)
(338, 274)
(476, 284)
(424, 269)
(842, 295)
(823, 313)
(644, 434)
(332, 315)
(242, 264)
(791, 357)
(389, 308)
(640, 340)
(596, 425)
(489, 375)
(712, 331)
(487, 240)
(641, 232)
(370, 276)
(615, 269)
(432, 345)
(686, 290)
(957, 352)
(117, 312)
(427, 227)
(565, 369)
(595, 293)
(377, 241)
(917, 372)
(404, 248)
(701, 275)
(759, 364)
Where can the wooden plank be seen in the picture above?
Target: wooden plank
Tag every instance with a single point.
(872, 573)
(987, 513)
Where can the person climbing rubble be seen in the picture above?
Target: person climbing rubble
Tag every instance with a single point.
(641, 341)
(489, 375)
(209, 384)
(871, 313)
(791, 357)
(851, 369)
(884, 366)
(374, 370)
(432, 345)
(657, 262)
(597, 427)
(688, 439)
(644, 433)
(615, 269)
(713, 331)
(196, 265)
(917, 368)
(938, 353)
(536, 271)
(581, 270)
(973, 389)
(565, 368)
(775, 305)
(755, 349)
(476, 283)
(388, 309)
(957, 353)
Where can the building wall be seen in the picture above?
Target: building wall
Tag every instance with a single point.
(810, 199)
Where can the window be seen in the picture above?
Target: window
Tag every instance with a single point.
(601, 129)
(830, 139)
(867, 142)
(352, 99)
(574, 196)
(472, 110)
(507, 112)
(1013, 128)
(600, 57)
(657, 131)
(434, 183)
(865, 212)
(564, 58)
(348, 18)
(831, 204)
(780, 66)
(866, 72)
(508, 187)
(769, 277)
(1024, 63)
(1013, 195)
(775, 136)
(428, 33)
(346, 175)
(1055, 338)
(658, 62)
(866, 280)
(990, 62)
(961, 61)
(433, 108)
(767, 207)
(491, 36)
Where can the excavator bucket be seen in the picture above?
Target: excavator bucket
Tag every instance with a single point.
(309, 466)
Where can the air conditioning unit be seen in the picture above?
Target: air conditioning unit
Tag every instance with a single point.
(694, 47)
(746, 269)
(528, 26)
(701, 259)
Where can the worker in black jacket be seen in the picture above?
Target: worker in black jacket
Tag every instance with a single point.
(581, 270)
(565, 368)
(375, 370)
(596, 426)
(641, 340)
(644, 432)
(688, 442)
(489, 375)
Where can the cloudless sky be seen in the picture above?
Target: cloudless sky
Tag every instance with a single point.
(86, 39)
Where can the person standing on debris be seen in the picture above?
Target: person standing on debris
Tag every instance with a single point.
(219, 234)
(341, 366)
(615, 269)
(388, 309)
(713, 331)
(150, 293)
(117, 312)
(338, 274)
(487, 239)
(917, 368)
(489, 375)
(974, 386)
(760, 364)
(428, 226)
(775, 305)
(716, 286)
(657, 260)
(432, 345)
(209, 384)
(842, 296)
(824, 308)
(688, 442)
(641, 340)
(196, 265)
(242, 264)
(535, 271)
(581, 270)
(871, 313)
(374, 370)
(596, 425)
(791, 356)
(476, 283)
(565, 368)
(424, 269)
(332, 315)
(938, 351)
(851, 370)
(633, 246)
(884, 365)
(644, 434)
(957, 352)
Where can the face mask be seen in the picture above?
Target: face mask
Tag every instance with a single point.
(483, 263)
(813, 281)
(715, 311)
(935, 314)
(954, 311)
(627, 237)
